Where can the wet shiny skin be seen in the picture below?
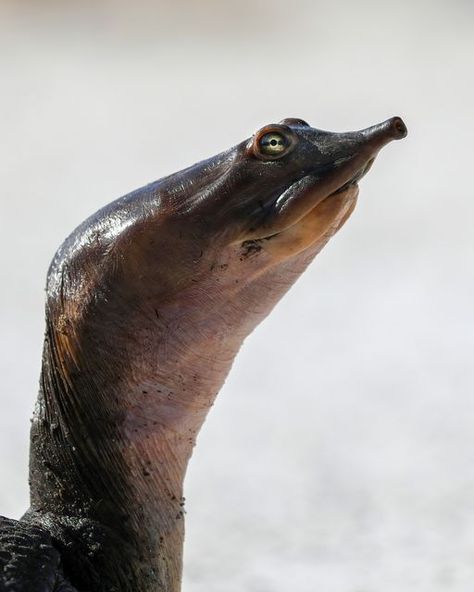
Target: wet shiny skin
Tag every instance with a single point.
(149, 301)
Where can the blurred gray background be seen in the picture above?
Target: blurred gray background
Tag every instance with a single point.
(340, 454)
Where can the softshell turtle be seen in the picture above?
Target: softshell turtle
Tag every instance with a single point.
(148, 302)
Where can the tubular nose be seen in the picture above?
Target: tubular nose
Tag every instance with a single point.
(397, 127)
(381, 134)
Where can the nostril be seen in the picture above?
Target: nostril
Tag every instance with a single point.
(399, 127)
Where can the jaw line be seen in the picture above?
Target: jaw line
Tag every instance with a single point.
(311, 232)
(352, 183)
(340, 194)
(356, 178)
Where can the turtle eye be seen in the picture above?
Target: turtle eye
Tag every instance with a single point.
(272, 144)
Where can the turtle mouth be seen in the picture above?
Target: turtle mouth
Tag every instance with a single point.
(353, 181)
(296, 188)
(356, 178)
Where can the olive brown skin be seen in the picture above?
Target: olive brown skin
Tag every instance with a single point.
(148, 302)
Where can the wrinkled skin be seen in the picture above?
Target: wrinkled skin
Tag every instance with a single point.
(148, 303)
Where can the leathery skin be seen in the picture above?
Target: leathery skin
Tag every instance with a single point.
(148, 302)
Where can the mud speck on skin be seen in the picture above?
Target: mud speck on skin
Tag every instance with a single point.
(250, 247)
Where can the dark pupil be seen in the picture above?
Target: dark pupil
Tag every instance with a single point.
(273, 142)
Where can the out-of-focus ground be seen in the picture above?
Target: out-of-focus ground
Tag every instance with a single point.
(340, 454)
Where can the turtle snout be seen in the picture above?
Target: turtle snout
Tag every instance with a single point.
(397, 127)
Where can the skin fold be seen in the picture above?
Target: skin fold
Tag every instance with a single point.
(148, 302)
